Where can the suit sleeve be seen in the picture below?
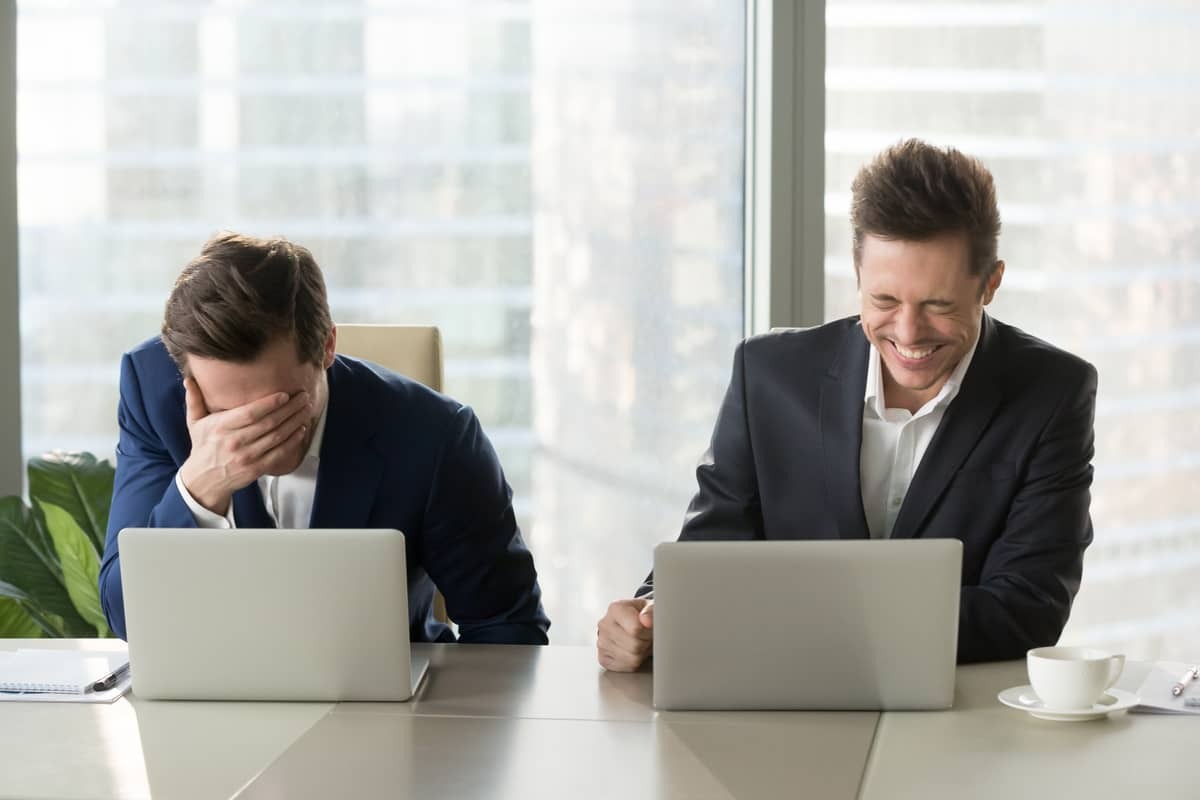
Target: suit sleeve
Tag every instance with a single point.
(474, 551)
(726, 505)
(144, 491)
(1033, 570)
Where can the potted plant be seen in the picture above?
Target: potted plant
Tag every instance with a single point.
(50, 549)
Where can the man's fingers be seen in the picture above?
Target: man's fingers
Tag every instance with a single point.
(297, 406)
(196, 410)
(626, 613)
(282, 453)
(254, 411)
(270, 439)
(621, 633)
(623, 637)
(617, 662)
(613, 655)
(646, 616)
(615, 637)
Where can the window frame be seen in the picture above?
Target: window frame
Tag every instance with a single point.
(11, 466)
(785, 165)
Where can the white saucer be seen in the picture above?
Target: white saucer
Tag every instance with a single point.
(1025, 699)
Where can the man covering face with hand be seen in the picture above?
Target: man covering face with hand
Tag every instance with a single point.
(242, 415)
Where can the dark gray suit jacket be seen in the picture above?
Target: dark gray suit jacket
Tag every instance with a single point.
(1008, 471)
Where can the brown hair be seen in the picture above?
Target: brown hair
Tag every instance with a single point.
(243, 293)
(915, 191)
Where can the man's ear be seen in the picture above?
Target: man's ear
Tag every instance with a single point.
(993, 282)
(331, 346)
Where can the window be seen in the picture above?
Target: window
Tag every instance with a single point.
(1088, 118)
(558, 188)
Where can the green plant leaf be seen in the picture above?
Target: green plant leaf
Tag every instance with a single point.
(19, 521)
(80, 564)
(47, 623)
(78, 484)
(15, 622)
(29, 568)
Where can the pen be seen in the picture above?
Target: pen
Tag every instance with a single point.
(1187, 678)
(111, 679)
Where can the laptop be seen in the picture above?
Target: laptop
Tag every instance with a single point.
(806, 625)
(316, 615)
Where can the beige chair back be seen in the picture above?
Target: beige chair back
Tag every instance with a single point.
(414, 351)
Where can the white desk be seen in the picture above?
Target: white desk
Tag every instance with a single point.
(489, 721)
(983, 750)
(529, 722)
(382, 755)
(519, 722)
(139, 749)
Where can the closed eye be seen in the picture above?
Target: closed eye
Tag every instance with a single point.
(883, 301)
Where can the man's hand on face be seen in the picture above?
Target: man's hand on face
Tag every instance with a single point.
(625, 636)
(231, 449)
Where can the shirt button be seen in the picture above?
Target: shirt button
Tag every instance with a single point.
(896, 501)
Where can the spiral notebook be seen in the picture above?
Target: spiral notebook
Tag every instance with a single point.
(62, 672)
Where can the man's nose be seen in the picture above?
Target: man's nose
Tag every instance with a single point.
(908, 324)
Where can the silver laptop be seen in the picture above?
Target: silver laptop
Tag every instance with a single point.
(317, 615)
(845, 624)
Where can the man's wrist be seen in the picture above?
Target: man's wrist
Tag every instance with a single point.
(213, 500)
(201, 515)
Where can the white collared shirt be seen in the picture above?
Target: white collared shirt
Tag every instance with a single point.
(288, 498)
(894, 441)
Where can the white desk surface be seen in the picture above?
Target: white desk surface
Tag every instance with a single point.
(137, 749)
(486, 719)
(382, 755)
(499, 721)
(520, 722)
(984, 750)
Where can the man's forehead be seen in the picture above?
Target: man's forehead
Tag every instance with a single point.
(907, 262)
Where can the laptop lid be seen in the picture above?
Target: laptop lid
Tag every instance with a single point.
(862, 624)
(317, 615)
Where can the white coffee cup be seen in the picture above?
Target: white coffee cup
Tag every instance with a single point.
(1068, 678)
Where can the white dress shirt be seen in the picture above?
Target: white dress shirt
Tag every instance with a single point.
(288, 498)
(894, 441)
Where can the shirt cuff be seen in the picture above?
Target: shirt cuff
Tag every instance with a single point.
(203, 517)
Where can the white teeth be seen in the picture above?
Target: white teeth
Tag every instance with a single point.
(915, 355)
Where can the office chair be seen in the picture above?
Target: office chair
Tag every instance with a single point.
(414, 351)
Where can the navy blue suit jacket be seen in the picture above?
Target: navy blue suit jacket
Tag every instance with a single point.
(1008, 471)
(395, 454)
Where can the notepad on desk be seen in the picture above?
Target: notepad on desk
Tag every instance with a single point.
(1155, 691)
(64, 675)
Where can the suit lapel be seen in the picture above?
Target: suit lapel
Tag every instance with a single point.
(351, 468)
(965, 420)
(841, 434)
